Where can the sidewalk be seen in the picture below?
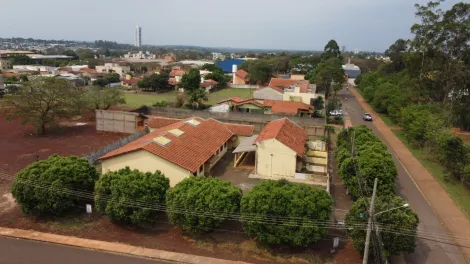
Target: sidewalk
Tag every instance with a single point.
(113, 247)
(449, 214)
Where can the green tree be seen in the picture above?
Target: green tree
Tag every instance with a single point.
(70, 53)
(394, 243)
(20, 60)
(126, 188)
(191, 81)
(395, 52)
(155, 82)
(41, 101)
(197, 97)
(104, 98)
(46, 186)
(85, 54)
(202, 204)
(332, 50)
(259, 71)
(298, 206)
(453, 155)
(112, 77)
(327, 73)
(212, 68)
(219, 77)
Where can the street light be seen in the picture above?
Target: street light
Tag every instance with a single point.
(405, 205)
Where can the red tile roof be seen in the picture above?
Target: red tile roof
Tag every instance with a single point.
(287, 107)
(285, 83)
(242, 73)
(190, 150)
(130, 81)
(208, 83)
(241, 130)
(10, 74)
(174, 73)
(286, 132)
(159, 122)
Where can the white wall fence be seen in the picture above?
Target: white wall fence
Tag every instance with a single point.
(243, 86)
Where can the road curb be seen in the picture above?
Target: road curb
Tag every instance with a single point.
(110, 247)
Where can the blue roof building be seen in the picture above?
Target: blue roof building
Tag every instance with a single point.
(226, 65)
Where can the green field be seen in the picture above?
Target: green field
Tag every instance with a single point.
(137, 100)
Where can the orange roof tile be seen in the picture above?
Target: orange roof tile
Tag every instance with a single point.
(159, 122)
(286, 132)
(130, 81)
(10, 74)
(242, 73)
(189, 151)
(287, 107)
(285, 83)
(174, 73)
(208, 83)
(241, 130)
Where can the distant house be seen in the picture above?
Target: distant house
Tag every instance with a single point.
(241, 77)
(113, 68)
(295, 90)
(185, 148)
(269, 107)
(177, 74)
(208, 85)
(129, 82)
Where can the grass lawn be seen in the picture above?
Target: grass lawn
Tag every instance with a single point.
(137, 100)
(455, 189)
(387, 120)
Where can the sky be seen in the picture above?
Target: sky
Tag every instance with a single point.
(368, 25)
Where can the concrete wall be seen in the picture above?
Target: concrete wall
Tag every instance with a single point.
(305, 97)
(267, 94)
(243, 86)
(146, 161)
(116, 121)
(274, 159)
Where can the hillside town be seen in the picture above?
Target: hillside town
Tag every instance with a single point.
(184, 154)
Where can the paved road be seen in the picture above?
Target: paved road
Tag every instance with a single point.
(427, 251)
(17, 251)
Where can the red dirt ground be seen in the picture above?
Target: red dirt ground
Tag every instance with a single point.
(18, 148)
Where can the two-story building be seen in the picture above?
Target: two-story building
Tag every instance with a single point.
(113, 68)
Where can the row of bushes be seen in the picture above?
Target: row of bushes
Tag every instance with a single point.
(367, 160)
(361, 158)
(425, 125)
(274, 212)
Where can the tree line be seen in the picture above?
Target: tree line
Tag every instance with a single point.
(361, 158)
(273, 212)
(42, 101)
(425, 87)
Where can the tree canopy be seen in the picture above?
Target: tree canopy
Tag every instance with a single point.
(259, 71)
(191, 81)
(45, 187)
(194, 197)
(103, 98)
(394, 243)
(155, 82)
(20, 60)
(300, 206)
(41, 102)
(120, 195)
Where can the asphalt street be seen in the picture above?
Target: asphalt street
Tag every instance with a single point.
(17, 251)
(427, 251)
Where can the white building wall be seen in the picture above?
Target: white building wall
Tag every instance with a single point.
(274, 159)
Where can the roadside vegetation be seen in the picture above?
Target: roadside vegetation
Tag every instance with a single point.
(361, 158)
(423, 90)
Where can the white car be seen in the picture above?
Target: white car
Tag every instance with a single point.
(336, 112)
(367, 117)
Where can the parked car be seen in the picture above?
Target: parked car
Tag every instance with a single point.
(336, 112)
(367, 117)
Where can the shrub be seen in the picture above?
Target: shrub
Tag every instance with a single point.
(162, 103)
(299, 208)
(45, 186)
(194, 197)
(394, 243)
(127, 196)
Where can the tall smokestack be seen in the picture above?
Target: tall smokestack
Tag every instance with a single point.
(234, 71)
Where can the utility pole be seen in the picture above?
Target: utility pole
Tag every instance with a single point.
(369, 224)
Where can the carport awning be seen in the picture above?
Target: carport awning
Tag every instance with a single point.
(246, 145)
